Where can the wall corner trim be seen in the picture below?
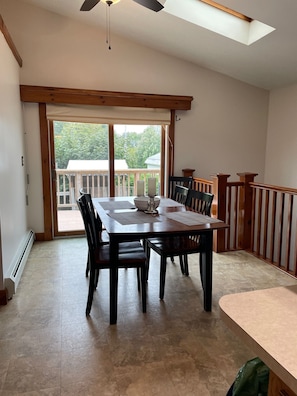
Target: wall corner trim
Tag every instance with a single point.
(10, 42)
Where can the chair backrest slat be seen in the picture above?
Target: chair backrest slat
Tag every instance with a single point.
(180, 194)
(199, 202)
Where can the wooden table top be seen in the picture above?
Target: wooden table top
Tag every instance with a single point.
(120, 217)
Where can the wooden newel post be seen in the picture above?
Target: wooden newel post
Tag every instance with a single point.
(219, 209)
(188, 172)
(245, 209)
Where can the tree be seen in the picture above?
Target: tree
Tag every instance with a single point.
(82, 141)
(149, 144)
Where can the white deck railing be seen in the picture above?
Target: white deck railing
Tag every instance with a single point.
(96, 183)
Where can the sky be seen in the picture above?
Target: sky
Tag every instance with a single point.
(129, 128)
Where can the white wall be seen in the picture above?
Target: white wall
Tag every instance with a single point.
(224, 132)
(13, 218)
(281, 158)
(32, 142)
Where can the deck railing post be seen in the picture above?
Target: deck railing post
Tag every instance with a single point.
(245, 209)
(219, 209)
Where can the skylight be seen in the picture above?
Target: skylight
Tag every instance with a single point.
(219, 19)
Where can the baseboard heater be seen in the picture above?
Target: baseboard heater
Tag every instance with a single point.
(12, 281)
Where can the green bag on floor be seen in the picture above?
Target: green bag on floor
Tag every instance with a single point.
(252, 379)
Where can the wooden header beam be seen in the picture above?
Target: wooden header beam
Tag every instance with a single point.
(37, 94)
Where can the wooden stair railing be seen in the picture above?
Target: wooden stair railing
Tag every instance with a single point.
(262, 218)
(233, 204)
(274, 226)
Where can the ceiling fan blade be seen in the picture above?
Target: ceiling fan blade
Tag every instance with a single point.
(151, 4)
(88, 5)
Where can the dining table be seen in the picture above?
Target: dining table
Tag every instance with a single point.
(124, 222)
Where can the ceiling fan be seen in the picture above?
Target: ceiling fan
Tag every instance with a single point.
(153, 5)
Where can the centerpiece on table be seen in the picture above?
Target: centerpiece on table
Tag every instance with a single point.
(149, 203)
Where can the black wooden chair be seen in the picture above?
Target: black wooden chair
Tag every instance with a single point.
(179, 195)
(131, 255)
(103, 237)
(180, 245)
(199, 202)
(174, 181)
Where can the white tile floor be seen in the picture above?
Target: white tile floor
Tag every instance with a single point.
(49, 347)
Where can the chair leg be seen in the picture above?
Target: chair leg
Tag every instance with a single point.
(88, 265)
(181, 263)
(162, 277)
(113, 294)
(96, 279)
(186, 265)
(143, 288)
(147, 251)
(138, 278)
(172, 259)
(91, 292)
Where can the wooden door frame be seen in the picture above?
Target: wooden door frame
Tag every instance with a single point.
(46, 176)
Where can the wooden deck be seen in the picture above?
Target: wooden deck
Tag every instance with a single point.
(70, 220)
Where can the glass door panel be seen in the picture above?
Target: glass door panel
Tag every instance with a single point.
(80, 162)
(137, 152)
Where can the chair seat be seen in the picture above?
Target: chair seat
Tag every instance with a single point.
(130, 253)
(130, 246)
(174, 246)
(124, 246)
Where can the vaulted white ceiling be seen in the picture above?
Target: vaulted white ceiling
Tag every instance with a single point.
(270, 62)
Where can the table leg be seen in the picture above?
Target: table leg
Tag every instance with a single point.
(206, 270)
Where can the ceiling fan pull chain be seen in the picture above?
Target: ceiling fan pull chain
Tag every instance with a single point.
(90, 4)
(106, 24)
(108, 36)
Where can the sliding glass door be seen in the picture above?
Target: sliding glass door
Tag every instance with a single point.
(101, 159)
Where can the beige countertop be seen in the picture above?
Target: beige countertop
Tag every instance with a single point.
(266, 320)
